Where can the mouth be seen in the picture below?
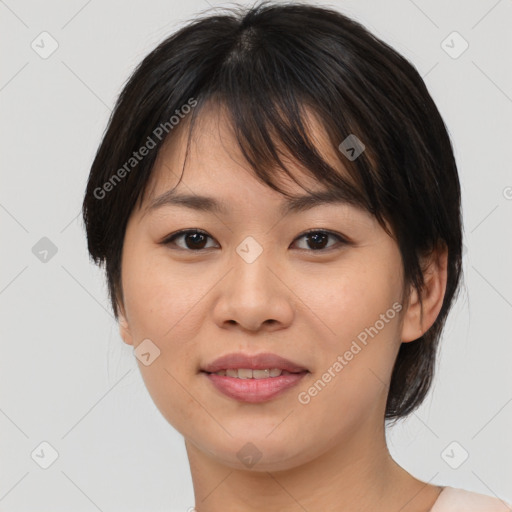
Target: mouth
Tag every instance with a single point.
(248, 373)
(253, 378)
(258, 366)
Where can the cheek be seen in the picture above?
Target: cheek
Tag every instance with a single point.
(159, 299)
(358, 354)
(360, 306)
(164, 306)
(354, 297)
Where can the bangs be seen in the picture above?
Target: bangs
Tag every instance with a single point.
(274, 123)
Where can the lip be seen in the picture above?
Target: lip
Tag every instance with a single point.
(261, 361)
(254, 390)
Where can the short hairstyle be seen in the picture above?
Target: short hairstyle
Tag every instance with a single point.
(265, 64)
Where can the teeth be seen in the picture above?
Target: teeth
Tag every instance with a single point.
(261, 374)
(245, 373)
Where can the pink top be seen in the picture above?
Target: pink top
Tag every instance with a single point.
(460, 500)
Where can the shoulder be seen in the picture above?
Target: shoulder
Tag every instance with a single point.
(460, 500)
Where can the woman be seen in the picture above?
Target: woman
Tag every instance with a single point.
(286, 294)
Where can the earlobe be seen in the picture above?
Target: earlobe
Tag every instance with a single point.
(124, 329)
(415, 324)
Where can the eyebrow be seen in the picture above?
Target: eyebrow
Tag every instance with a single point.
(294, 204)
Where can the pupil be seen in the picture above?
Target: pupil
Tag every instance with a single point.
(194, 243)
(315, 237)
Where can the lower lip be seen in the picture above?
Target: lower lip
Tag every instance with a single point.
(254, 390)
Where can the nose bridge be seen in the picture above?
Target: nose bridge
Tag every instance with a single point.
(253, 293)
(249, 250)
(251, 263)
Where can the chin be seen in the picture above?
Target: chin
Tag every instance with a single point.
(259, 454)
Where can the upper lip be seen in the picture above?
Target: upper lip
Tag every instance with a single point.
(253, 362)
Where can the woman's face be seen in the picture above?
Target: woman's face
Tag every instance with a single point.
(331, 307)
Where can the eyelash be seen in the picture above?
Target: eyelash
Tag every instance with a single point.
(171, 238)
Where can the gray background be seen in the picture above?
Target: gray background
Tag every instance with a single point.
(65, 375)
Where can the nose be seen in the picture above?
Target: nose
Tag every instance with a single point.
(254, 296)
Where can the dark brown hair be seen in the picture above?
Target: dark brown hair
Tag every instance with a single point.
(266, 64)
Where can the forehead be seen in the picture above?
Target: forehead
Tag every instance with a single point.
(211, 159)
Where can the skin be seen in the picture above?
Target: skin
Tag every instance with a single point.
(301, 303)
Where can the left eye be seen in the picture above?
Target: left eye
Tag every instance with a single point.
(195, 239)
(319, 239)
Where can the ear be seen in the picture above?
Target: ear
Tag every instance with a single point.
(416, 322)
(124, 329)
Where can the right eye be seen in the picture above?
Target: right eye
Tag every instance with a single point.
(194, 239)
